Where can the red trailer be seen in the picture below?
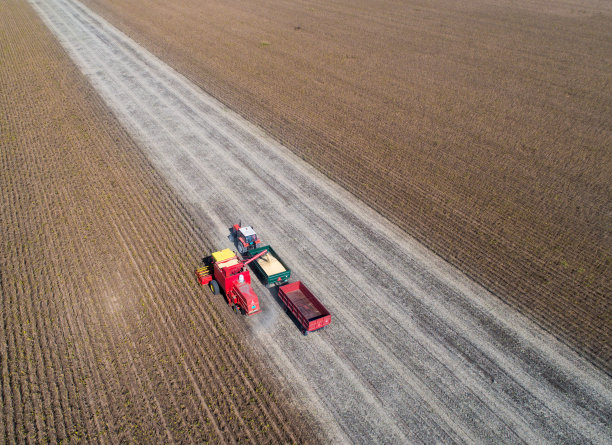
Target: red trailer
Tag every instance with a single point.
(308, 310)
(225, 272)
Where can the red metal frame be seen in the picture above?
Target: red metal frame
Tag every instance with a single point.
(203, 275)
(237, 290)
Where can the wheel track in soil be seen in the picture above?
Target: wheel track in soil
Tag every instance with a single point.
(517, 407)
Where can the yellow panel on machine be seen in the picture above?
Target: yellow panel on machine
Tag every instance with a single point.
(223, 255)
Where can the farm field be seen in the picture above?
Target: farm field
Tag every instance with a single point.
(416, 351)
(482, 128)
(104, 335)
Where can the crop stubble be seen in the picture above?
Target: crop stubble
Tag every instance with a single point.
(481, 128)
(102, 336)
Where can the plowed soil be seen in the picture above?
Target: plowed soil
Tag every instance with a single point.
(482, 128)
(104, 336)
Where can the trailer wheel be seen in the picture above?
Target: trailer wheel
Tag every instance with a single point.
(305, 332)
(214, 287)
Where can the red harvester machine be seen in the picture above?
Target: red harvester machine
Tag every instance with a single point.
(223, 271)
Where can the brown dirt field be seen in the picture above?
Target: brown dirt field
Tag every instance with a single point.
(482, 128)
(104, 335)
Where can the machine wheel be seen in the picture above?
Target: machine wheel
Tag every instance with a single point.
(241, 248)
(305, 332)
(214, 287)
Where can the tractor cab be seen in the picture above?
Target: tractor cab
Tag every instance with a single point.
(245, 238)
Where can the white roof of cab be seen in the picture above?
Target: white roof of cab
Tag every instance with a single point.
(247, 231)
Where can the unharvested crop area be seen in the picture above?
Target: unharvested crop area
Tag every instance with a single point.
(482, 128)
(104, 336)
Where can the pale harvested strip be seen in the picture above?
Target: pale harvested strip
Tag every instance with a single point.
(481, 127)
(105, 337)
